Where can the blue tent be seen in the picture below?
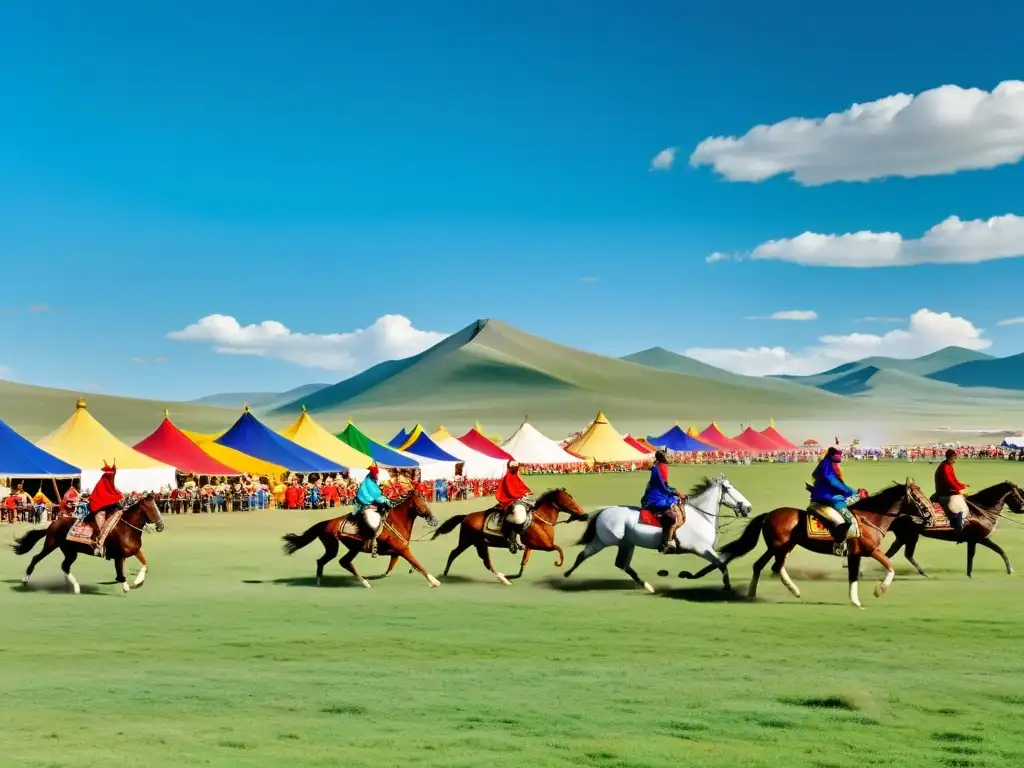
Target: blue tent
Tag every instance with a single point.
(399, 440)
(427, 448)
(379, 453)
(20, 459)
(677, 440)
(252, 438)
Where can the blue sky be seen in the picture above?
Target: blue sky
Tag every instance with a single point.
(446, 161)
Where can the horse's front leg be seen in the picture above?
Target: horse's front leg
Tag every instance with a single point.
(890, 572)
(410, 558)
(989, 544)
(119, 576)
(391, 565)
(522, 563)
(140, 579)
(911, 550)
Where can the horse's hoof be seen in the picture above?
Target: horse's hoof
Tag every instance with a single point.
(648, 588)
(503, 580)
(24, 581)
(433, 582)
(124, 587)
(685, 575)
(366, 584)
(663, 574)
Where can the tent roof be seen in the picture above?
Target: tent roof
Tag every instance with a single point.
(399, 440)
(311, 436)
(84, 442)
(601, 442)
(776, 437)
(692, 431)
(715, 437)
(19, 458)
(243, 461)
(474, 463)
(755, 440)
(171, 446)
(420, 444)
(476, 440)
(679, 441)
(529, 446)
(250, 436)
(637, 444)
(383, 455)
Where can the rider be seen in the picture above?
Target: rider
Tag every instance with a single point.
(949, 493)
(509, 495)
(370, 499)
(104, 498)
(664, 501)
(832, 493)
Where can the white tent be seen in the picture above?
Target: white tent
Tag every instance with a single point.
(1015, 441)
(475, 465)
(529, 446)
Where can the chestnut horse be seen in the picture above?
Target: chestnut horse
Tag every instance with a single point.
(393, 540)
(540, 535)
(986, 508)
(785, 528)
(123, 541)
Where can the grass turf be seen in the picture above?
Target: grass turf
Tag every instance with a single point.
(229, 655)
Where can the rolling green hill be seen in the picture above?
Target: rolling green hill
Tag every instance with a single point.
(492, 371)
(666, 360)
(35, 412)
(868, 380)
(927, 365)
(259, 400)
(1001, 372)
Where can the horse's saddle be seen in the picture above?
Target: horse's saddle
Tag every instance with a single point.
(353, 525)
(84, 531)
(494, 523)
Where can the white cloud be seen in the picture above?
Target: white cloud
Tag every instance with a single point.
(879, 319)
(664, 160)
(952, 241)
(939, 131)
(926, 332)
(794, 314)
(390, 337)
(1012, 321)
(147, 360)
(718, 256)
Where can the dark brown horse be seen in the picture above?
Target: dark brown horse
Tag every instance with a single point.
(393, 540)
(786, 528)
(986, 508)
(540, 535)
(123, 541)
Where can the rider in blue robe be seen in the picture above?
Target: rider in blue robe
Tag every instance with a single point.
(830, 490)
(369, 493)
(664, 501)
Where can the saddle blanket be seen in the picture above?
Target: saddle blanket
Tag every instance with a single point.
(939, 520)
(816, 528)
(649, 518)
(352, 527)
(84, 532)
(493, 523)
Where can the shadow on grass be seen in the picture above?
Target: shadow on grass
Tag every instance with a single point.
(328, 582)
(453, 578)
(562, 584)
(707, 594)
(57, 587)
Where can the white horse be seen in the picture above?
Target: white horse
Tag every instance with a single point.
(621, 527)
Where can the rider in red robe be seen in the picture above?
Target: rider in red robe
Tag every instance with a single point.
(511, 490)
(104, 498)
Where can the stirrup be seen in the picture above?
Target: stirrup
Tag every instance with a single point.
(373, 547)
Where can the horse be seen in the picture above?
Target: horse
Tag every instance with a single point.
(986, 508)
(622, 527)
(786, 528)
(123, 541)
(539, 535)
(393, 539)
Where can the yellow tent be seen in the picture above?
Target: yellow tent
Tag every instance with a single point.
(495, 438)
(440, 434)
(313, 437)
(240, 461)
(692, 432)
(602, 443)
(84, 442)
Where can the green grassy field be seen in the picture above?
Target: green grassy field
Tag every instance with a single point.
(229, 656)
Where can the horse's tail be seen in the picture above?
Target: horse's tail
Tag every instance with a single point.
(25, 544)
(590, 533)
(293, 542)
(747, 540)
(448, 526)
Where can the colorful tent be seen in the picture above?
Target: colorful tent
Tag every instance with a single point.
(419, 443)
(638, 445)
(20, 459)
(311, 436)
(493, 437)
(679, 442)
(476, 440)
(384, 456)
(83, 442)
(755, 441)
(528, 446)
(399, 440)
(249, 436)
(715, 437)
(171, 446)
(241, 461)
(475, 465)
(600, 442)
(692, 432)
(776, 437)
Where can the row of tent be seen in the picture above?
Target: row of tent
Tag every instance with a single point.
(80, 446)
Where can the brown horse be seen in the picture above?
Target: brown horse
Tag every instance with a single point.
(986, 508)
(786, 528)
(393, 540)
(123, 541)
(540, 535)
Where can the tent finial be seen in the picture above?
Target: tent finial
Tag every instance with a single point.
(303, 408)
(80, 404)
(167, 414)
(246, 408)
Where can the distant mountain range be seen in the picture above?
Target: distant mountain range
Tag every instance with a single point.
(260, 400)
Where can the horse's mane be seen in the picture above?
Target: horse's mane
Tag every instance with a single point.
(702, 485)
(546, 496)
(989, 496)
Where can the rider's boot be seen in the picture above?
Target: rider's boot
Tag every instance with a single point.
(373, 544)
(511, 537)
(668, 531)
(956, 521)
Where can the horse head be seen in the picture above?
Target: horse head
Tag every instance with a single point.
(1015, 499)
(417, 506)
(917, 505)
(732, 498)
(561, 500)
(147, 505)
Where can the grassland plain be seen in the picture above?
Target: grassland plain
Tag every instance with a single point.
(231, 657)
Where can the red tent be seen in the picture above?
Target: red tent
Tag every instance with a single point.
(637, 444)
(714, 437)
(474, 439)
(756, 441)
(170, 445)
(776, 437)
